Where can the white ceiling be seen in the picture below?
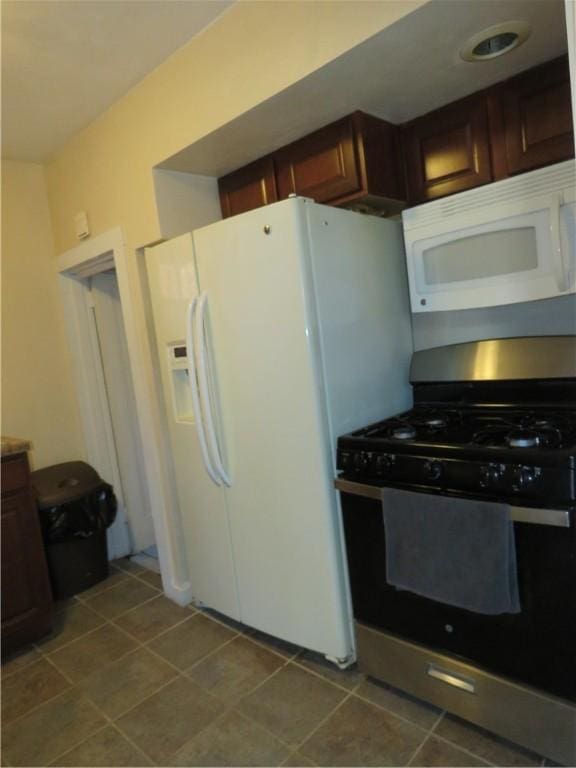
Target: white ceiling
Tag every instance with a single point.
(402, 72)
(65, 62)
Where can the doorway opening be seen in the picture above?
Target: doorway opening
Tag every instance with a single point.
(107, 318)
(108, 404)
(111, 399)
(134, 531)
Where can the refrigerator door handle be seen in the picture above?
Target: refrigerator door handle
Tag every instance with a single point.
(192, 380)
(205, 390)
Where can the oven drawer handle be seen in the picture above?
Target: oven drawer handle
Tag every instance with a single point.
(558, 518)
(456, 681)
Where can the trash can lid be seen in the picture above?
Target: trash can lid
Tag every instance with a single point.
(63, 483)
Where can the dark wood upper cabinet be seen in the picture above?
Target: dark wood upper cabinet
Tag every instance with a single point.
(448, 150)
(357, 157)
(360, 160)
(322, 165)
(247, 188)
(531, 119)
(26, 592)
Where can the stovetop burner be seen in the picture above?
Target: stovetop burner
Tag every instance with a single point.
(435, 422)
(490, 452)
(406, 432)
(505, 432)
(489, 427)
(529, 432)
(524, 439)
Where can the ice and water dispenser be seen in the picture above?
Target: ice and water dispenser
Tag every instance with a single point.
(181, 395)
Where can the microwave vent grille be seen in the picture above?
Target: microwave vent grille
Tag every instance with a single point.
(529, 185)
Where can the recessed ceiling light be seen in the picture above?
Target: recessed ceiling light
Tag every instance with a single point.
(495, 41)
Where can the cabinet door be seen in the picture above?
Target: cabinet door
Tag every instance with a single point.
(26, 595)
(321, 166)
(248, 188)
(448, 150)
(536, 114)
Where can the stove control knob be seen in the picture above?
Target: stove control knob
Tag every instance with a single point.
(344, 460)
(524, 476)
(361, 461)
(382, 464)
(491, 474)
(433, 470)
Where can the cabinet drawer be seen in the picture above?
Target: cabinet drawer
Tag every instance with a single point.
(500, 705)
(14, 473)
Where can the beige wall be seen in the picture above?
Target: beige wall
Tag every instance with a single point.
(255, 50)
(38, 400)
(252, 52)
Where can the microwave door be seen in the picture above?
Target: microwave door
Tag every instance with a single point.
(568, 241)
(511, 253)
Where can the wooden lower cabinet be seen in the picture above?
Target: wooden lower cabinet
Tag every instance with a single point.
(26, 593)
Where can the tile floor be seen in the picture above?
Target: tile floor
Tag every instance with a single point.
(130, 679)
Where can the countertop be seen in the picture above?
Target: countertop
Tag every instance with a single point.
(12, 445)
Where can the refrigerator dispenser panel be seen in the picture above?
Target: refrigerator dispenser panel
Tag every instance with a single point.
(179, 373)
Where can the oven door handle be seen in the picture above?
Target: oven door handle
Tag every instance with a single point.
(358, 489)
(558, 518)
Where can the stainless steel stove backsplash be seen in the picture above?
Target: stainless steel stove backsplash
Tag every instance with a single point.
(534, 318)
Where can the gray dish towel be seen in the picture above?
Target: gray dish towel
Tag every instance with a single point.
(456, 551)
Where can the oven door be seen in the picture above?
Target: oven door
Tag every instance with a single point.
(535, 646)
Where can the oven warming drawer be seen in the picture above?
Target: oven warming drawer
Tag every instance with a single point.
(529, 717)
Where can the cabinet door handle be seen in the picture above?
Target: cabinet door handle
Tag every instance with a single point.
(456, 681)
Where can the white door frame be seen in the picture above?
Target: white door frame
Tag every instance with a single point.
(95, 410)
(103, 252)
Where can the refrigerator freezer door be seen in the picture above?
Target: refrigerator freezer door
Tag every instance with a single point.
(173, 284)
(254, 269)
(363, 310)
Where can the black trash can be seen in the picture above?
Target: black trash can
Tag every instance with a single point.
(76, 507)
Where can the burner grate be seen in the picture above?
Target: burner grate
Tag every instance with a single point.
(524, 433)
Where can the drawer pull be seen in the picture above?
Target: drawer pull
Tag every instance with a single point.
(464, 683)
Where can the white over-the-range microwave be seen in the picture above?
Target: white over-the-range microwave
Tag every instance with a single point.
(506, 242)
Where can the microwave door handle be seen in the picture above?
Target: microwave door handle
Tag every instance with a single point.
(560, 266)
(192, 380)
(205, 389)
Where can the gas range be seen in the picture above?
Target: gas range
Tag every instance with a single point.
(493, 421)
(504, 452)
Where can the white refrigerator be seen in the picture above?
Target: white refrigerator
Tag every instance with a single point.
(277, 331)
